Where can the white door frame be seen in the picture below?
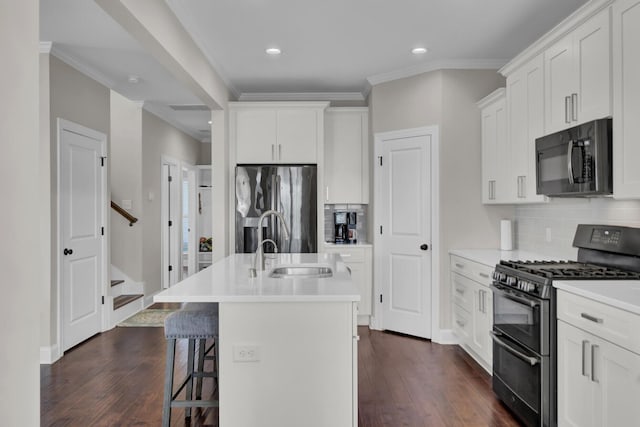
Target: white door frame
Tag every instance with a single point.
(67, 125)
(192, 191)
(377, 322)
(164, 219)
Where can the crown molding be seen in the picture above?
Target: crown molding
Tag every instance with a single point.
(85, 69)
(301, 96)
(492, 97)
(458, 64)
(45, 47)
(570, 23)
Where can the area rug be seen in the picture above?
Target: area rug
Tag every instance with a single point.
(147, 318)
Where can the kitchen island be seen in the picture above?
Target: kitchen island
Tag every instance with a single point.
(288, 346)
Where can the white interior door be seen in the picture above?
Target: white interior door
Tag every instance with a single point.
(81, 210)
(171, 218)
(403, 209)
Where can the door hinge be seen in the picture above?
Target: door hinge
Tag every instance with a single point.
(380, 159)
(102, 299)
(102, 158)
(171, 268)
(380, 229)
(380, 298)
(170, 178)
(170, 223)
(102, 231)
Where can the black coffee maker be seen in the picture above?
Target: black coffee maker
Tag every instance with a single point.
(345, 224)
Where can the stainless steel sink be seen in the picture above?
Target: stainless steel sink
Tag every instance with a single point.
(314, 272)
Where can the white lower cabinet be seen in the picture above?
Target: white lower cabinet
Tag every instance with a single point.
(598, 381)
(473, 308)
(358, 259)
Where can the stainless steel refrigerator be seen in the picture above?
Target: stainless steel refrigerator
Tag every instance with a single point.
(289, 189)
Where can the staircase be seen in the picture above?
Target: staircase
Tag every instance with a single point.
(126, 297)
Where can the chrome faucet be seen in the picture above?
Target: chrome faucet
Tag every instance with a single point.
(259, 265)
(252, 270)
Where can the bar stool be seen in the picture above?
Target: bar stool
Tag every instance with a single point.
(196, 321)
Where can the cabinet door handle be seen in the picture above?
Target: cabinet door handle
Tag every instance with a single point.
(327, 193)
(591, 318)
(593, 364)
(567, 101)
(273, 151)
(459, 265)
(279, 151)
(574, 107)
(485, 275)
(460, 323)
(481, 301)
(460, 291)
(584, 356)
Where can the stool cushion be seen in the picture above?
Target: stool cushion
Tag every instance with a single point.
(191, 324)
(191, 306)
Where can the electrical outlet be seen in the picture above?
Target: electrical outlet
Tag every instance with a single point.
(246, 353)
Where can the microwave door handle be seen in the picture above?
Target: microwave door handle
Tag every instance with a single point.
(570, 162)
(531, 360)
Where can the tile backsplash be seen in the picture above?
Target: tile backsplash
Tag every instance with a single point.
(549, 228)
(361, 227)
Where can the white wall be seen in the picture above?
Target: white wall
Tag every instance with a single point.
(126, 184)
(158, 139)
(205, 153)
(20, 253)
(447, 98)
(562, 216)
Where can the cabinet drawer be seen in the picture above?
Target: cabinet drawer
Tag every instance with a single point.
(348, 254)
(462, 291)
(461, 324)
(473, 270)
(613, 324)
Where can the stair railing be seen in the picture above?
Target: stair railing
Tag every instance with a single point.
(132, 219)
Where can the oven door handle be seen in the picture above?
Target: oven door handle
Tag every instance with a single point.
(531, 360)
(519, 300)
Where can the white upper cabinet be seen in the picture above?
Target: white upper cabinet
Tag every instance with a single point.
(626, 93)
(578, 75)
(346, 157)
(525, 112)
(495, 149)
(278, 132)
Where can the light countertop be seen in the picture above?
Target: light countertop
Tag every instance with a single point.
(228, 281)
(348, 245)
(491, 257)
(622, 294)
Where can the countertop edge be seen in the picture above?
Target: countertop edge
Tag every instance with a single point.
(580, 288)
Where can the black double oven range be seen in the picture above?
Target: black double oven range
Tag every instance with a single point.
(524, 316)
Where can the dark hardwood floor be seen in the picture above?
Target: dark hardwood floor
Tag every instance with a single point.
(116, 379)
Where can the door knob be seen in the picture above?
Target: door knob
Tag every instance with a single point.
(424, 246)
(67, 251)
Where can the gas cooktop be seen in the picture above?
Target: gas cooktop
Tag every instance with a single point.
(558, 270)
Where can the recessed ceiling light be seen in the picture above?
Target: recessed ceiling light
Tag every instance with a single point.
(133, 79)
(210, 122)
(419, 50)
(273, 51)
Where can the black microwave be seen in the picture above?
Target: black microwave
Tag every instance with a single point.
(575, 162)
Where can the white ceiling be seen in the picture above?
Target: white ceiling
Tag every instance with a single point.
(336, 46)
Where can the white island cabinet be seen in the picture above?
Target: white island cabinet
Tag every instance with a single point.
(598, 353)
(303, 330)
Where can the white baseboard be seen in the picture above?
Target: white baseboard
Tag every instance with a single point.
(148, 299)
(446, 337)
(50, 354)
